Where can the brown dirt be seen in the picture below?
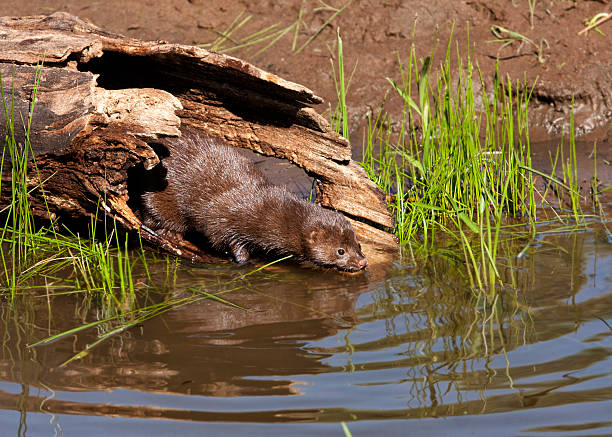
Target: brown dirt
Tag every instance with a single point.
(374, 33)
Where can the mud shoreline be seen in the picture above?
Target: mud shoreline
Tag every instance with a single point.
(564, 66)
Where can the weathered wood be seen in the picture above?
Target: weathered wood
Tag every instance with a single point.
(103, 99)
(63, 105)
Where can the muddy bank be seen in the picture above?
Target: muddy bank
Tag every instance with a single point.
(567, 66)
(564, 66)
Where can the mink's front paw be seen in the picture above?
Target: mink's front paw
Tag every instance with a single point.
(240, 254)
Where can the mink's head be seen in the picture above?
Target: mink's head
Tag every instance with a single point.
(331, 242)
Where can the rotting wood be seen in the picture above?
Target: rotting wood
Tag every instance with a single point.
(103, 99)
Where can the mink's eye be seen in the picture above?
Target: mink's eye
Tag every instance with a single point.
(341, 251)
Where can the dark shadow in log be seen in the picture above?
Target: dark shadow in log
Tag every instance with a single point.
(258, 104)
(104, 101)
(174, 73)
(139, 179)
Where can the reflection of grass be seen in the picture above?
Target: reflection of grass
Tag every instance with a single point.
(346, 430)
(443, 332)
(113, 323)
(445, 337)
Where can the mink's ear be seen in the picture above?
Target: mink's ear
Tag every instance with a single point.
(312, 236)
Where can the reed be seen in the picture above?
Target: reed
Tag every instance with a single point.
(32, 251)
(19, 227)
(460, 167)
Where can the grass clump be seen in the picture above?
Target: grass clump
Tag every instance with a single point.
(35, 257)
(33, 251)
(509, 37)
(19, 222)
(458, 173)
(235, 37)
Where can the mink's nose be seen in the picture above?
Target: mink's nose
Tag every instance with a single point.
(363, 263)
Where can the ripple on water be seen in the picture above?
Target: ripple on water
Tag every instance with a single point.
(410, 349)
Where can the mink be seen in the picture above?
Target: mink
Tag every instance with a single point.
(217, 192)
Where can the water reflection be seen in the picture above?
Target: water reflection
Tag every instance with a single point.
(315, 348)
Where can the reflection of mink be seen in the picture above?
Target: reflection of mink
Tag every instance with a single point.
(215, 191)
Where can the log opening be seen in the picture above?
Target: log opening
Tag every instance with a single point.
(103, 101)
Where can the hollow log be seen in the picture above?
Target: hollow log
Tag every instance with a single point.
(101, 100)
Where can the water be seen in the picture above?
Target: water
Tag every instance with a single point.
(401, 350)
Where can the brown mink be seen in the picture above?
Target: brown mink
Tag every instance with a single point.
(219, 193)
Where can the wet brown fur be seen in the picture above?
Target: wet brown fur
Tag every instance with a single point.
(215, 191)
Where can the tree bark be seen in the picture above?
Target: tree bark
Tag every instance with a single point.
(102, 99)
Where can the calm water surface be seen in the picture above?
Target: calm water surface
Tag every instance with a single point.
(400, 350)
